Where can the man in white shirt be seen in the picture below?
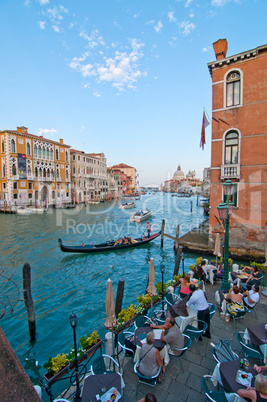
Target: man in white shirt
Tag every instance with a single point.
(251, 297)
(198, 298)
(208, 269)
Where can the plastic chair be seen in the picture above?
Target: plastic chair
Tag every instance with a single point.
(215, 396)
(151, 381)
(102, 365)
(238, 315)
(187, 344)
(142, 321)
(213, 308)
(195, 333)
(121, 342)
(218, 360)
(249, 349)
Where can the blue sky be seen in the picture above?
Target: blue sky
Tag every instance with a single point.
(125, 77)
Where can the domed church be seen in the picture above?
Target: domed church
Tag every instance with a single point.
(179, 174)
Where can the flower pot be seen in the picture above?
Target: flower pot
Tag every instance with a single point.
(51, 378)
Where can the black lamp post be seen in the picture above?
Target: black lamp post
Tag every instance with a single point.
(182, 255)
(73, 324)
(162, 270)
(225, 210)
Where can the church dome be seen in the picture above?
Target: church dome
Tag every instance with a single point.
(179, 174)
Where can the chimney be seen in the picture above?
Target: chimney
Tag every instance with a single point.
(220, 48)
(61, 141)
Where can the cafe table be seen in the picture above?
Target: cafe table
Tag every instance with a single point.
(99, 384)
(140, 339)
(226, 374)
(257, 335)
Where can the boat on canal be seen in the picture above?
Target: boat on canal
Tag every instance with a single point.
(140, 216)
(111, 245)
(127, 205)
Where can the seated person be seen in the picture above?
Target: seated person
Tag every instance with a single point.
(234, 295)
(125, 240)
(208, 269)
(252, 279)
(171, 335)
(185, 283)
(149, 398)
(119, 241)
(199, 273)
(251, 297)
(218, 273)
(257, 394)
(150, 358)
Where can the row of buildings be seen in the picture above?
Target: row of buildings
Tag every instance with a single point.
(38, 171)
(181, 183)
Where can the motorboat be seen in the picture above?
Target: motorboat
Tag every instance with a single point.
(140, 216)
(203, 201)
(24, 211)
(127, 205)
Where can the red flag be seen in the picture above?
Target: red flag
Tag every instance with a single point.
(205, 124)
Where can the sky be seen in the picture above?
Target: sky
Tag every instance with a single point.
(125, 77)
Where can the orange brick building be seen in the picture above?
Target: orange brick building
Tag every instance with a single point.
(239, 145)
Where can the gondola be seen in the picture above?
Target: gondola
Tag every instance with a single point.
(107, 246)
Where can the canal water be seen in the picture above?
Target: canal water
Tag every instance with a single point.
(63, 282)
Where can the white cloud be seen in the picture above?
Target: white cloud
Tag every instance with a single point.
(219, 3)
(96, 94)
(56, 28)
(27, 3)
(205, 49)
(121, 70)
(136, 15)
(47, 131)
(158, 27)
(151, 22)
(171, 16)
(94, 39)
(43, 2)
(186, 27)
(188, 2)
(41, 24)
(191, 15)
(56, 13)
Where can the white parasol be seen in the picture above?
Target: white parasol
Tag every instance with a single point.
(217, 248)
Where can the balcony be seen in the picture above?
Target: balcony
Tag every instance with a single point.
(230, 171)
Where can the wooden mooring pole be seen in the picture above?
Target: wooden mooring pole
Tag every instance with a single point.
(177, 261)
(162, 232)
(119, 297)
(28, 300)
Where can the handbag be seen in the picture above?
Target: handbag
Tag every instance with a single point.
(130, 345)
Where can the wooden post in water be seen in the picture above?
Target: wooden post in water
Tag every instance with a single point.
(28, 299)
(119, 297)
(191, 205)
(177, 261)
(176, 244)
(162, 231)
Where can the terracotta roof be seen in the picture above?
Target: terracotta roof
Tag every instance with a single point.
(38, 137)
(15, 384)
(122, 165)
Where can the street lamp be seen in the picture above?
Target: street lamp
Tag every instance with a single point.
(162, 270)
(73, 324)
(225, 210)
(182, 255)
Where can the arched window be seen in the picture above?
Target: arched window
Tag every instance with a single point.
(231, 148)
(51, 153)
(36, 173)
(56, 154)
(13, 147)
(47, 153)
(29, 171)
(67, 174)
(4, 170)
(48, 173)
(28, 149)
(39, 151)
(233, 89)
(53, 194)
(66, 156)
(40, 173)
(14, 169)
(43, 152)
(35, 150)
(3, 146)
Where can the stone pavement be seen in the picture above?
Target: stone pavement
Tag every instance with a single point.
(185, 386)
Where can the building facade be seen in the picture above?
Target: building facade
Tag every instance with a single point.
(34, 170)
(89, 178)
(239, 144)
(130, 172)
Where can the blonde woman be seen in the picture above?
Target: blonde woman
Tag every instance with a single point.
(151, 359)
(257, 394)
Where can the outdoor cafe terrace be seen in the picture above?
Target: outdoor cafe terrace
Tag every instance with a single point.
(185, 384)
